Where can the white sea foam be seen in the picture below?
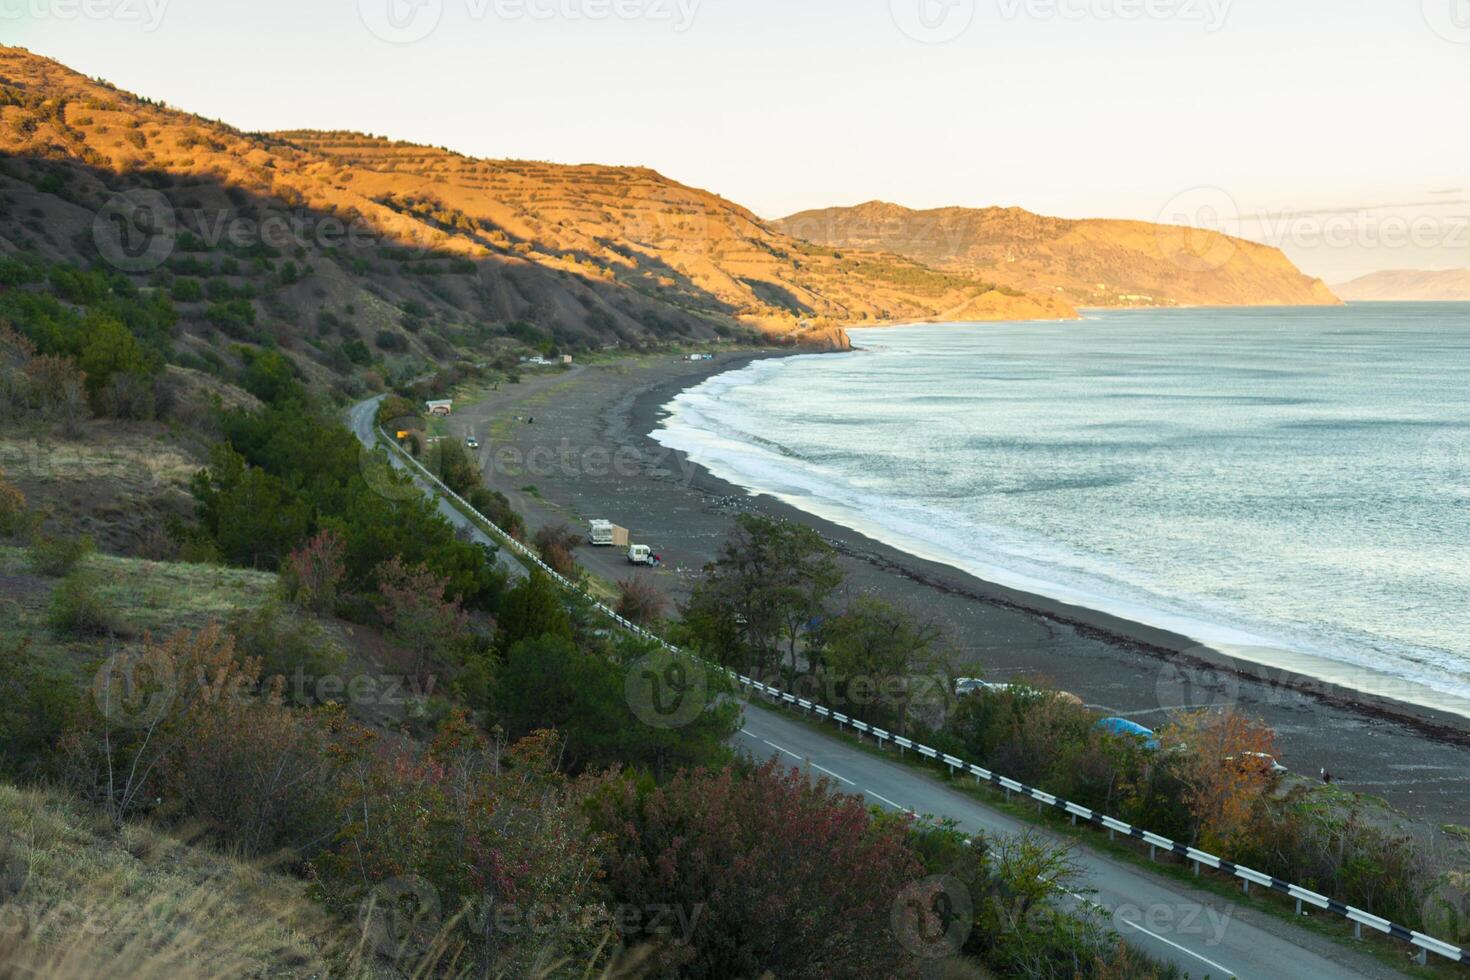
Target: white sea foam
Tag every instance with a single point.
(1143, 476)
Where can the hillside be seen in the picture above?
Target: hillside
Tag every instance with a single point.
(1085, 263)
(322, 244)
(1408, 285)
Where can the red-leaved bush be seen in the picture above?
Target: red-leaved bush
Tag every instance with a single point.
(771, 873)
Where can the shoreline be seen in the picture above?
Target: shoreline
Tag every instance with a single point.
(649, 409)
(1418, 760)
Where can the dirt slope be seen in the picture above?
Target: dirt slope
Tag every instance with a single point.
(419, 250)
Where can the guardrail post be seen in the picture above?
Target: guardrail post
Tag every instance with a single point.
(1112, 834)
(1358, 930)
(1298, 906)
(1423, 958)
(1247, 883)
(1153, 852)
(1196, 869)
(1074, 819)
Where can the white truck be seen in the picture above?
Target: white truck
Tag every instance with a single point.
(606, 534)
(641, 554)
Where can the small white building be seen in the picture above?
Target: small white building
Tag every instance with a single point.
(441, 408)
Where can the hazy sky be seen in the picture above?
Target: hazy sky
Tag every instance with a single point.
(1333, 128)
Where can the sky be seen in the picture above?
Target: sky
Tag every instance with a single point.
(1334, 129)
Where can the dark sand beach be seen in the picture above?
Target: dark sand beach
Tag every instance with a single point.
(588, 455)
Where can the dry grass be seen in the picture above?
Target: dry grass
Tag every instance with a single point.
(83, 901)
(149, 596)
(80, 900)
(118, 483)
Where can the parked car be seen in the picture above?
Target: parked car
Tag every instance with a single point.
(1248, 761)
(964, 686)
(641, 554)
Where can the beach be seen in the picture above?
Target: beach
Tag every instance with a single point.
(588, 454)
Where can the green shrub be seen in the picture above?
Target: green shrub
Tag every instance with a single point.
(77, 609)
(293, 649)
(59, 556)
(35, 707)
(187, 290)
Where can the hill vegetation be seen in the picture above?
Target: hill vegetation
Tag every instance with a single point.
(1084, 263)
(355, 255)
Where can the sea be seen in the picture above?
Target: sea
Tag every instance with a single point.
(1287, 485)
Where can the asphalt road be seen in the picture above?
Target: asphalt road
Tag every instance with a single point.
(362, 419)
(1201, 933)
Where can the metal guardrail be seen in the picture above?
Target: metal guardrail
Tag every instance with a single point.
(1303, 896)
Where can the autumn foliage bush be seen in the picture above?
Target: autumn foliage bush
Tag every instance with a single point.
(491, 840)
(779, 875)
(184, 728)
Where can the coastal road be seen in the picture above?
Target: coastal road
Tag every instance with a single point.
(362, 419)
(1205, 936)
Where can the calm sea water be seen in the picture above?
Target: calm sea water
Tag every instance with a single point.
(1289, 484)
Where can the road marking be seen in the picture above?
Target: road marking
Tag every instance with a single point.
(746, 731)
(896, 806)
(831, 773)
(1228, 972)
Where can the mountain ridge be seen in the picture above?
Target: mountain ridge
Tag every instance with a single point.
(1086, 262)
(1408, 285)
